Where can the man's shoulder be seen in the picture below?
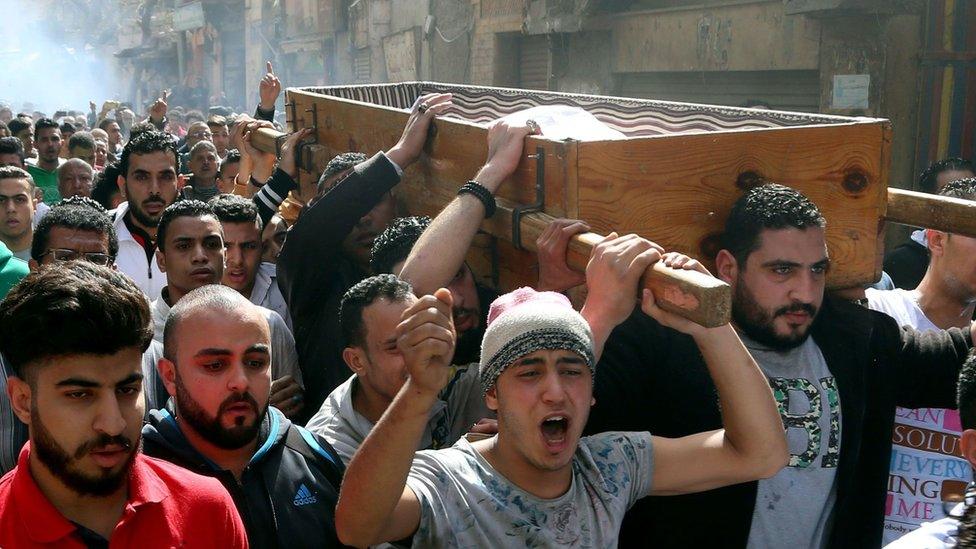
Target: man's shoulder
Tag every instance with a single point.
(189, 487)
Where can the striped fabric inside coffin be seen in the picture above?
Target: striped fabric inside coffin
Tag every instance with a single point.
(632, 117)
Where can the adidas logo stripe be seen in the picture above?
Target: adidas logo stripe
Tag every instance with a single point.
(304, 496)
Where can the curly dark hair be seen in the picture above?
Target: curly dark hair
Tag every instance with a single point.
(960, 188)
(768, 206)
(106, 185)
(338, 165)
(230, 208)
(79, 213)
(927, 181)
(46, 123)
(145, 143)
(180, 208)
(92, 309)
(12, 145)
(393, 245)
(360, 296)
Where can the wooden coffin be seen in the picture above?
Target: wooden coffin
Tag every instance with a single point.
(672, 179)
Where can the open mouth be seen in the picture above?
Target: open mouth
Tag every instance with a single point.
(554, 429)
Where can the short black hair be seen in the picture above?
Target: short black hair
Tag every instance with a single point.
(927, 181)
(141, 128)
(338, 165)
(360, 296)
(230, 208)
(393, 245)
(103, 123)
(12, 145)
(964, 189)
(768, 206)
(17, 125)
(79, 213)
(45, 123)
(106, 185)
(966, 392)
(81, 139)
(90, 309)
(180, 208)
(233, 156)
(15, 172)
(68, 127)
(145, 143)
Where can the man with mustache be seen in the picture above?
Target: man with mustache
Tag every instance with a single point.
(837, 371)
(81, 480)
(191, 252)
(217, 367)
(17, 210)
(148, 181)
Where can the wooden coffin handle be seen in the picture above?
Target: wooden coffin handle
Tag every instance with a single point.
(941, 213)
(700, 298)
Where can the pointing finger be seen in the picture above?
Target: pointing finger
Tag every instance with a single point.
(270, 68)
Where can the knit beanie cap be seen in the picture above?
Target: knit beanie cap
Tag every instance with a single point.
(524, 321)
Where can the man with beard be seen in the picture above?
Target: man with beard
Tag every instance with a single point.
(191, 252)
(537, 480)
(148, 181)
(217, 367)
(44, 169)
(81, 480)
(837, 371)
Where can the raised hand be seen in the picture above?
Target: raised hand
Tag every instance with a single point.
(665, 318)
(289, 151)
(157, 112)
(411, 143)
(269, 89)
(505, 144)
(554, 274)
(612, 275)
(426, 337)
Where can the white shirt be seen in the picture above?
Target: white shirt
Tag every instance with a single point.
(132, 259)
(267, 294)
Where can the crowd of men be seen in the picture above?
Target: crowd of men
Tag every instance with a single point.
(196, 356)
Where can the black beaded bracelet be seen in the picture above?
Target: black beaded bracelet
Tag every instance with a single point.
(482, 194)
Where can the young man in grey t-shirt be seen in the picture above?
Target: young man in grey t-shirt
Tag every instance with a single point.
(537, 480)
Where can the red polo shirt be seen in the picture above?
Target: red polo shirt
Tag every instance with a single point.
(168, 507)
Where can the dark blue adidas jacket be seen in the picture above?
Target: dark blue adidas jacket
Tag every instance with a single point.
(288, 491)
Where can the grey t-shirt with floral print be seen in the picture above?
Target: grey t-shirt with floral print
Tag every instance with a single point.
(465, 502)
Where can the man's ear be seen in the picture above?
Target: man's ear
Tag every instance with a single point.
(355, 358)
(968, 443)
(120, 181)
(21, 398)
(160, 259)
(936, 241)
(491, 398)
(180, 182)
(167, 372)
(34, 266)
(726, 266)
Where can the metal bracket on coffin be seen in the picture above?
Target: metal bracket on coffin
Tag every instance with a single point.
(540, 198)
